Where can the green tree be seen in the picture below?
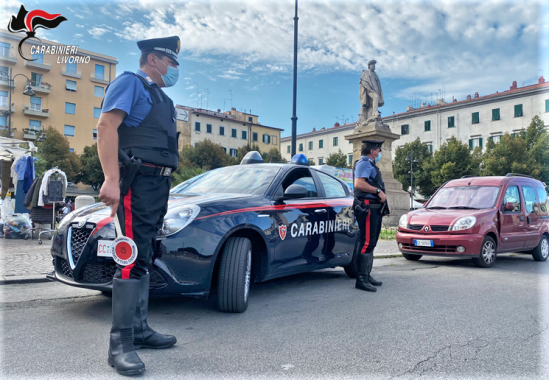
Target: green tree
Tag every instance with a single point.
(242, 151)
(401, 167)
(311, 161)
(338, 160)
(274, 156)
(206, 155)
(92, 172)
(55, 152)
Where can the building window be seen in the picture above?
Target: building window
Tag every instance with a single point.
(96, 112)
(320, 144)
(476, 118)
(69, 130)
(473, 143)
(3, 122)
(70, 108)
(222, 133)
(4, 73)
(71, 67)
(35, 125)
(234, 133)
(36, 104)
(254, 136)
(3, 98)
(208, 128)
(39, 58)
(496, 139)
(5, 49)
(518, 110)
(99, 72)
(36, 79)
(197, 126)
(71, 150)
(224, 149)
(274, 139)
(430, 146)
(250, 119)
(451, 121)
(94, 134)
(244, 135)
(404, 129)
(301, 147)
(546, 105)
(266, 139)
(289, 148)
(427, 125)
(321, 161)
(495, 114)
(98, 91)
(350, 159)
(233, 152)
(310, 145)
(335, 141)
(70, 85)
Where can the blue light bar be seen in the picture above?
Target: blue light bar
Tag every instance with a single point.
(299, 159)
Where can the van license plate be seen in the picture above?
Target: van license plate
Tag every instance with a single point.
(104, 248)
(423, 243)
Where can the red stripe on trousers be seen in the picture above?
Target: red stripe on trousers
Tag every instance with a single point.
(367, 240)
(129, 229)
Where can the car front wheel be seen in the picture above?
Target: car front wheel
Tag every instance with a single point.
(352, 268)
(541, 252)
(487, 256)
(235, 271)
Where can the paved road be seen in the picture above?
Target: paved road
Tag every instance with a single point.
(436, 318)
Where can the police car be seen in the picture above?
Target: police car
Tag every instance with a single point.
(225, 228)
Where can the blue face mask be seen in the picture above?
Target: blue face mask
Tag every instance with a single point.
(171, 77)
(378, 158)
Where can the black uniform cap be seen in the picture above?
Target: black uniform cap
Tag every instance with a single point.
(375, 143)
(168, 46)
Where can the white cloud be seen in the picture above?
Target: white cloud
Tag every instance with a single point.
(97, 32)
(78, 35)
(80, 26)
(190, 87)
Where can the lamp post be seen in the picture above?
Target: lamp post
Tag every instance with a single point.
(294, 116)
(412, 162)
(28, 91)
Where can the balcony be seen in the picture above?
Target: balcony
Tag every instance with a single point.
(4, 131)
(99, 78)
(31, 133)
(33, 110)
(4, 79)
(44, 65)
(6, 56)
(41, 88)
(4, 111)
(71, 73)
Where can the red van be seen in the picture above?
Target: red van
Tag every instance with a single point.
(479, 217)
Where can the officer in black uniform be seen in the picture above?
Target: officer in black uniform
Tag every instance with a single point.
(370, 205)
(137, 144)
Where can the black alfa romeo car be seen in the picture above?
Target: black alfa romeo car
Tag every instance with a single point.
(224, 229)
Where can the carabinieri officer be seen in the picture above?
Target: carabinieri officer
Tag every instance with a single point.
(138, 121)
(369, 207)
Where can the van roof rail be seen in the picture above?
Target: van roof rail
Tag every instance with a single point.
(518, 175)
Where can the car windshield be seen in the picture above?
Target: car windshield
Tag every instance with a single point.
(465, 197)
(246, 179)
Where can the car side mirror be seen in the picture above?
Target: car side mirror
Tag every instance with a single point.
(295, 191)
(509, 206)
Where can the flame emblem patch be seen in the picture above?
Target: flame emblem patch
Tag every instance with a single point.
(282, 232)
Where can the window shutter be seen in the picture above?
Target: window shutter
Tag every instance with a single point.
(471, 144)
(476, 117)
(518, 110)
(495, 114)
(546, 105)
(480, 142)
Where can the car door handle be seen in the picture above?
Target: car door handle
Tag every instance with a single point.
(528, 219)
(522, 217)
(321, 210)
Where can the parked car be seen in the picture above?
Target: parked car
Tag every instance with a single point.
(479, 217)
(225, 228)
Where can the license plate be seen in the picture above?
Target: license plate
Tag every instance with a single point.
(423, 243)
(104, 248)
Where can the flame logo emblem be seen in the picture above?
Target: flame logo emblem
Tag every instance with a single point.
(29, 22)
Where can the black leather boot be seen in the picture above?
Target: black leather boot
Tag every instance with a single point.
(370, 265)
(122, 355)
(362, 275)
(144, 336)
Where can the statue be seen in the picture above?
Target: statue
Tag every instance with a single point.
(371, 95)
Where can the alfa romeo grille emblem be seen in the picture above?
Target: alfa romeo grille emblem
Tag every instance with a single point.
(426, 229)
(81, 224)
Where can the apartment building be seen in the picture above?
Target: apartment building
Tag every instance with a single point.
(232, 129)
(68, 89)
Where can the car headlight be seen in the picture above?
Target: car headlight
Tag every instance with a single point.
(464, 223)
(403, 222)
(176, 221)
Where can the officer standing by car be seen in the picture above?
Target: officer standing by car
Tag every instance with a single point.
(138, 128)
(370, 205)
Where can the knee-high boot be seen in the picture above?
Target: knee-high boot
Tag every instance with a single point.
(122, 355)
(144, 336)
(370, 265)
(362, 274)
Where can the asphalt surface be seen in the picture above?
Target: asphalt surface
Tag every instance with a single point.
(435, 318)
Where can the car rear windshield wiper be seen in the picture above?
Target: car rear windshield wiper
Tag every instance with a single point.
(436, 208)
(464, 208)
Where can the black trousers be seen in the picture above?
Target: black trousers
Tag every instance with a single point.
(370, 227)
(141, 214)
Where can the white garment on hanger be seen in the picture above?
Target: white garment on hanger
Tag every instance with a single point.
(44, 185)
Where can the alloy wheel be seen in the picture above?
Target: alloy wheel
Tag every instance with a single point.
(248, 275)
(545, 247)
(488, 252)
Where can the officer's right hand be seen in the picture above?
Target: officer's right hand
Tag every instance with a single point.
(110, 195)
(382, 197)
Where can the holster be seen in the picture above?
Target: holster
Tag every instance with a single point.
(128, 169)
(359, 210)
(384, 210)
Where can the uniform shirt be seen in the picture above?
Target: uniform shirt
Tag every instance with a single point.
(365, 169)
(127, 93)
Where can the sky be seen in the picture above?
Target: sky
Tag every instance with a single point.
(239, 53)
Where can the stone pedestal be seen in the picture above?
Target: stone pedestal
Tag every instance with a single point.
(399, 200)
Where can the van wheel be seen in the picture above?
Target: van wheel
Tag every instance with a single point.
(235, 272)
(487, 256)
(541, 252)
(407, 256)
(352, 269)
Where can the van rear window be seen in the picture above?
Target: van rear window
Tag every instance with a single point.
(542, 195)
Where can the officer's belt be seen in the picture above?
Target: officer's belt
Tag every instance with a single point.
(361, 203)
(152, 169)
(374, 205)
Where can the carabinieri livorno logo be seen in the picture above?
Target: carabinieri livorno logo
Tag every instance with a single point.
(29, 22)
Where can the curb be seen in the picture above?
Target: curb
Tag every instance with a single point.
(12, 280)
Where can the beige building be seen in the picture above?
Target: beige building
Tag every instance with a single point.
(68, 89)
(232, 129)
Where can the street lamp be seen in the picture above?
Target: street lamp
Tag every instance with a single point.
(294, 116)
(28, 91)
(412, 162)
